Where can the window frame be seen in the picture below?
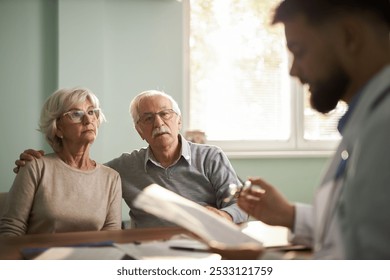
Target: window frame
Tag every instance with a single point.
(295, 146)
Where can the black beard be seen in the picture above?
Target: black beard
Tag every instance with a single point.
(326, 94)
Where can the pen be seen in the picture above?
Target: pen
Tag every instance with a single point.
(187, 249)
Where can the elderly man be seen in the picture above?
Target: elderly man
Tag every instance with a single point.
(198, 172)
(341, 51)
(201, 173)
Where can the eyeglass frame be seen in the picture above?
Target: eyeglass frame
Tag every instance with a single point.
(169, 112)
(96, 114)
(235, 190)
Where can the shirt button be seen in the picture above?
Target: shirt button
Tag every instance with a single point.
(344, 155)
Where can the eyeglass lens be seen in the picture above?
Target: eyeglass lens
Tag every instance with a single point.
(149, 118)
(78, 115)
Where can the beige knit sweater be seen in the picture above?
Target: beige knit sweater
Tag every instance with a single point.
(49, 196)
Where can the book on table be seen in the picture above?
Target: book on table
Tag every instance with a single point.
(220, 235)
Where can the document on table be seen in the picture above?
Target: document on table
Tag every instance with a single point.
(82, 253)
(184, 248)
(271, 236)
(170, 249)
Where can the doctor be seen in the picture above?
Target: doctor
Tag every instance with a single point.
(341, 51)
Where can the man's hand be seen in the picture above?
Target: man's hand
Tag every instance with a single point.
(220, 213)
(27, 155)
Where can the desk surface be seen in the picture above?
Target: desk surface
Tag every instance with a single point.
(10, 247)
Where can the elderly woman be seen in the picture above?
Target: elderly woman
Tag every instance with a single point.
(65, 191)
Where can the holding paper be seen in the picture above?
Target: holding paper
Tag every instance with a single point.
(219, 234)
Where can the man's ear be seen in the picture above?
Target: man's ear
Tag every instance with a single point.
(351, 35)
(179, 122)
(139, 130)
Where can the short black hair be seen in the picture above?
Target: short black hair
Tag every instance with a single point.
(316, 11)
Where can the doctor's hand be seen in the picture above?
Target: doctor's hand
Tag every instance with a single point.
(27, 155)
(265, 203)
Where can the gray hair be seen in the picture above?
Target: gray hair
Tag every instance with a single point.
(134, 104)
(59, 103)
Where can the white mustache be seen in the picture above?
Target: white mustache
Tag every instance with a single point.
(160, 130)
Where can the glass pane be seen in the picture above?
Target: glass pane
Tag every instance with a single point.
(239, 84)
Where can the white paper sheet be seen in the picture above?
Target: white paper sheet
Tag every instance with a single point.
(159, 250)
(270, 236)
(210, 227)
(81, 253)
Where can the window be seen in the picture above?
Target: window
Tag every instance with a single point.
(239, 90)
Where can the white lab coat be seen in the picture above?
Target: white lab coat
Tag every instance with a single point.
(333, 226)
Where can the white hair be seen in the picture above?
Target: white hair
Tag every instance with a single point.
(134, 104)
(59, 103)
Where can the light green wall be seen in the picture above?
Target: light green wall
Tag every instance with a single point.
(117, 48)
(297, 178)
(28, 64)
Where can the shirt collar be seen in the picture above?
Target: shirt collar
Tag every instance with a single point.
(377, 84)
(185, 153)
(351, 107)
(185, 149)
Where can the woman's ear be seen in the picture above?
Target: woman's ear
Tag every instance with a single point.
(59, 132)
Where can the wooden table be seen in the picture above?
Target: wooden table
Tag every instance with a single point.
(10, 247)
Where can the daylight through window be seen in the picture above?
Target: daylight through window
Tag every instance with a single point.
(240, 92)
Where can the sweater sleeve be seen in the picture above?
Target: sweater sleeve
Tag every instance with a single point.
(19, 201)
(222, 175)
(114, 213)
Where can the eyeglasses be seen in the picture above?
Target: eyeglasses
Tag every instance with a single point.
(148, 118)
(77, 116)
(235, 190)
